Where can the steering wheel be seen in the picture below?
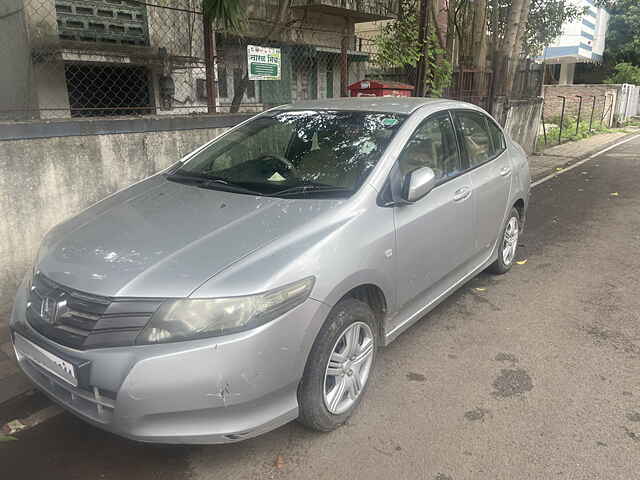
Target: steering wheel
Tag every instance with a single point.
(281, 159)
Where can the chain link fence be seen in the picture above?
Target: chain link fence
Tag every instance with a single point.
(88, 58)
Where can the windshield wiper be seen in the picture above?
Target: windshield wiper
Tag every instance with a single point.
(212, 183)
(302, 189)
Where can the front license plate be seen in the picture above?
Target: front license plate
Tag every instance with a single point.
(46, 360)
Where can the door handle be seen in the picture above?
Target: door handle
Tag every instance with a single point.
(461, 194)
(504, 171)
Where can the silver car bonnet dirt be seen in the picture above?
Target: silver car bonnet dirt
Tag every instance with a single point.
(159, 230)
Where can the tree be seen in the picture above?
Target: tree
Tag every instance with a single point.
(625, 73)
(398, 46)
(226, 14)
(279, 24)
(500, 32)
(623, 36)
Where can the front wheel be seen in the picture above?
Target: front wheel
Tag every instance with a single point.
(508, 244)
(339, 366)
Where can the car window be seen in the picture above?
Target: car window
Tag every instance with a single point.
(499, 144)
(272, 139)
(301, 152)
(475, 136)
(433, 145)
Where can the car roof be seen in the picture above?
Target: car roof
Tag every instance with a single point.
(402, 105)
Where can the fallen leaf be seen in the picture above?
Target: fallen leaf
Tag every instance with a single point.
(559, 169)
(13, 426)
(522, 262)
(614, 194)
(279, 462)
(478, 289)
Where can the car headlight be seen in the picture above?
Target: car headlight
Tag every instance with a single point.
(189, 319)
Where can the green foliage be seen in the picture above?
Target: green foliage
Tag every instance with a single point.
(569, 133)
(228, 15)
(625, 73)
(623, 36)
(397, 43)
(398, 46)
(546, 18)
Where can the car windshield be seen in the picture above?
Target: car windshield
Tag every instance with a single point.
(294, 153)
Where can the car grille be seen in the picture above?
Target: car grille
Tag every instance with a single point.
(80, 320)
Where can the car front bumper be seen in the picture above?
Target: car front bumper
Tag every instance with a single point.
(214, 390)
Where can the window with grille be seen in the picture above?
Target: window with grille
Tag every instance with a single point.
(98, 90)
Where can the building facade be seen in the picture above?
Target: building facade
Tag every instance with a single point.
(78, 58)
(582, 41)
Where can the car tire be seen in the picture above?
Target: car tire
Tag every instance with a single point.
(319, 409)
(507, 244)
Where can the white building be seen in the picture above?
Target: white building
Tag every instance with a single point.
(582, 41)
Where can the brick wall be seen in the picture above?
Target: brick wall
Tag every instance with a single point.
(553, 104)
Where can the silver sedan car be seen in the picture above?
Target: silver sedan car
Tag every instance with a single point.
(253, 282)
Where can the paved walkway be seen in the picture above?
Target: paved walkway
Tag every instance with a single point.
(13, 382)
(563, 155)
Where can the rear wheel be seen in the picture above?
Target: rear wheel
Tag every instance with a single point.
(339, 366)
(508, 244)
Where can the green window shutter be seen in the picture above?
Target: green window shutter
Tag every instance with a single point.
(329, 79)
(277, 92)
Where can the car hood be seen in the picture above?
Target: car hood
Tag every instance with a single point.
(165, 239)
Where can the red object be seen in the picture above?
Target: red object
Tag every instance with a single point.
(377, 88)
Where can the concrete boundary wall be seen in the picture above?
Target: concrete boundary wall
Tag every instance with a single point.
(521, 119)
(50, 171)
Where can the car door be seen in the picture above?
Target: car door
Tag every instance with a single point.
(434, 235)
(484, 147)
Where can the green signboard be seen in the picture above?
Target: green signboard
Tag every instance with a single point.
(264, 63)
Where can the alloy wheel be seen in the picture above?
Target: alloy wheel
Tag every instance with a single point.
(348, 367)
(510, 241)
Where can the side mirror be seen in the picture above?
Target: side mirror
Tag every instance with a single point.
(418, 183)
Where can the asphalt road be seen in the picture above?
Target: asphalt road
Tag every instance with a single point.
(530, 375)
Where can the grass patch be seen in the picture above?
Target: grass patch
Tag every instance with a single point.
(570, 134)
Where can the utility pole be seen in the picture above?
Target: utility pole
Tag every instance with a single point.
(423, 36)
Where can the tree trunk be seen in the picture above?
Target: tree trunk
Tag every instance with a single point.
(504, 53)
(423, 35)
(479, 44)
(451, 32)
(517, 47)
(435, 11)
(278, 26)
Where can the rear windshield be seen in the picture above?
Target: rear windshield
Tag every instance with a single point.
(297, 153)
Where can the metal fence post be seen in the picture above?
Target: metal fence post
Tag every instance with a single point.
(544, 127)
(579, 113)
(564, 101)
(604, 108)
(593, 109)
